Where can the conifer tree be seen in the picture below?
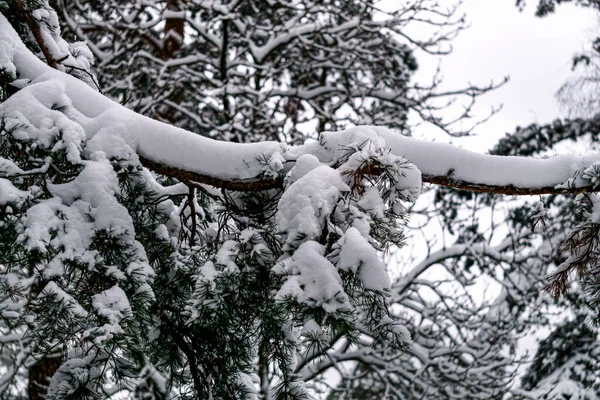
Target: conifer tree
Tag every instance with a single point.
(131, 283)
(143, 261)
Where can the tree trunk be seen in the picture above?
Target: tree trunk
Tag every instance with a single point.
(171, 44)
(39, 376)
(173, 32)
(263, 369)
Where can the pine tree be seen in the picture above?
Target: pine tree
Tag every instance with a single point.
(235, 279)
(546, 7)
(132, 283)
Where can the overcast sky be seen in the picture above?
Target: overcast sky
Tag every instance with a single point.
(536, 54)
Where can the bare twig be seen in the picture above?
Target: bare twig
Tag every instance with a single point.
(86, 72)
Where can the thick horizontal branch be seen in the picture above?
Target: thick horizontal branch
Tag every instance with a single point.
(252, 166)
(250, 185)
(247, 185)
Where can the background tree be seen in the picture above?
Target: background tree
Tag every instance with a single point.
(553, 216)
(565, 365)
(568, 227)
(254, 70)
(546, 7)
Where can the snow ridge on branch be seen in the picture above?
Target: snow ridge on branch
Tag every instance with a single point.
(257, 166)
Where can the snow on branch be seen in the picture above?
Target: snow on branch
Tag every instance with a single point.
(257, 166)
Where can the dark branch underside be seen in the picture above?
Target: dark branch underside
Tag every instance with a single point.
(510, 190)
(250, 185)
(261, 183)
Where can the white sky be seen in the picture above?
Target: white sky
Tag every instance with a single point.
(535, 53)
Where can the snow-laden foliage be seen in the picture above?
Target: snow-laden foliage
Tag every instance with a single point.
(74, 58)
(118, 282)
(116, 274)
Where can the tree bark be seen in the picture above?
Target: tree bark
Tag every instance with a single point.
(39, 376)
(37, 34)
(173, 32)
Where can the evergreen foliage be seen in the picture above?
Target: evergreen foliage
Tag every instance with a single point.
(119, 282)
(140, 285)
(546, 7)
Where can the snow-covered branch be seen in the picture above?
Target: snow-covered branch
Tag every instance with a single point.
(191, 157)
